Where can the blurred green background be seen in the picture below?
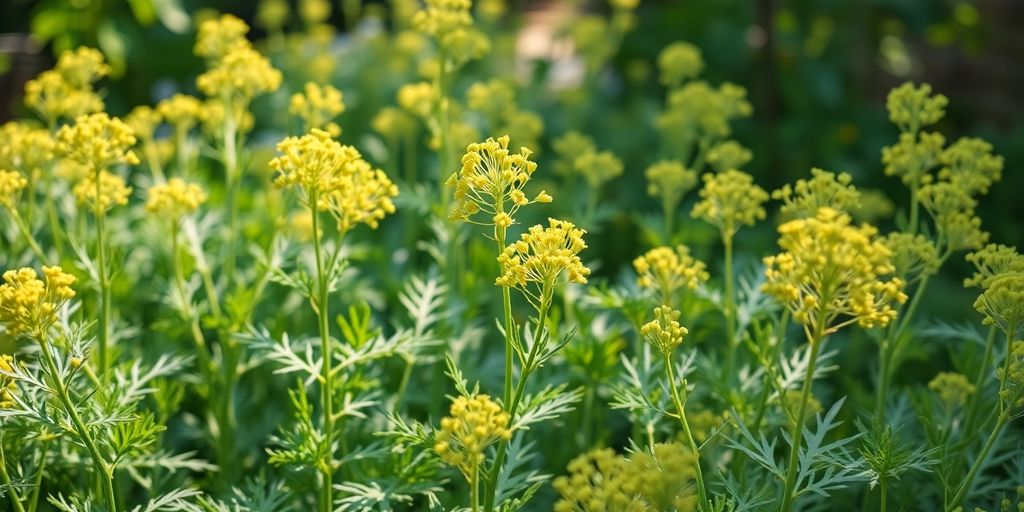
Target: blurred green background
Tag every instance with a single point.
(817, 73)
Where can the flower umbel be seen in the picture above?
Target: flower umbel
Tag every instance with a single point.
(30, 305)
(664, 332)
(317, 106)
(489, 186)
(667, 270)
(175, 199)
(97, 141)
(824, 189)
(543, 255)
(11, 185)
(952, 389)
(730, 200)
(112, 191)
(830, 271)
(8, 386)
(473, 423)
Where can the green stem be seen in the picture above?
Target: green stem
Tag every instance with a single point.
(882, 490)
(730, 308)
(5, 478)
(797, 433)
(979, 380)
(542, 312)
(914, 208)
(37, 483)
(27, 234)
(230, 158)
(891, 345)
(506, 307)
(668, 209)
(474, 491)
(104, 281)
(104, 471)
(670, 373)
(964, 486)
(327, 374)
(56, 233)
(202, 353)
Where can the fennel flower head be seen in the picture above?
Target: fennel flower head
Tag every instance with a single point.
(30, 305)
(317, 106)
(418, 99)
(103, 192)
(729, 154)
(8, 387)
(664, 332)
(26, 149)
(450, 24)
(1002, 302)
(174, 199)
(991, 261)
(913, 256)
(730, 200)
(11, 185)
(542, 255)
(952, 389)
(824, 189)
(1012, 372)
(669, 180)
(831, 274)
(236, 72)
(912, 107)
(220, 36)
(678, 62)
(336, 178)
(489, 186)
(181, 111)
(66, 90)
(97, 141)
(144, 120)
(473, 423)
(667, 270)
(567, 147)
(696, 110)
(598, 167)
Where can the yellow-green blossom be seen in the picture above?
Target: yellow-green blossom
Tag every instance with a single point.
(174, 199)
(696, 110)
(418, 99)
(970, 164)
(669, 180)
(992, 261)
(913, 256)
(66, 90)
(679, 61)
(569, 146)
(473, 423)
(219, 37)
(112, 191)
(25, 148)
(912, 108)
(489, 186)
(728, 155)
(1002, 301)
(239, 76)
(665, 478)
(450, 24)
(831, 274)
(181, 111)
(597, 482)
(913, 157)
(824, 189)
(730, 200)
(543, 255)
(97, 141)
(30, 305)
(8, 386)
(393, 122)
(664, 332)
(143, 121)
(953, 210)
(11, 185)
(952, 389)
(667, 270)
(1012, 375)
(598, 167)
(317, 106)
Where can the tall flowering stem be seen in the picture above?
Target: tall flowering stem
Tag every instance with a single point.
(335, 179)
(830, 275)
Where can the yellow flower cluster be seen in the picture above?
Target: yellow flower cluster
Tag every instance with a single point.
(97, 141)
(953, 210)
(418, 99)
(1012, 374)
(317, 106)
(913, 256)
(729, 200)
(664, 332)
(667, 270)
(970, 164)
(473, 423)
(728, 155)
(1002, 302)
(912, 108)
(336, 178)
(30, 305)
(215, 115)
(66, 91)
(824, 189)
(991, 261)
(696, 110)
(26, 149)
(181, 111)
(236, 71)
(952, 389)
(111, 191)
(598, 167)
(600, 481)
(567, 147)
(542, 255)
(492, 98)
(491, 182)
(450, 24)
(392, 123)
(174, 199)
(11, 185)
(8, 387)
(829, 270)
(913, 156)
(669, 180)
(143, 120)
(678, 62)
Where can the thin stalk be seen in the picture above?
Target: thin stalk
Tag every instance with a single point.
(37, 483)
(327, 374)
(230, 158)
(668, 209)
(506, 307)
(961, 491)
(542, 312)
(104, 471)
(890, 348)
(797, 433)
(27, 234)
(474, 491)
(730, 308)
(5, 478)
(202, 353)
(153, 161)
(56, 233)
(882, 490)
(979, 380)
(914, 208)
(104, 281)
(681, 412)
